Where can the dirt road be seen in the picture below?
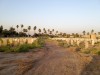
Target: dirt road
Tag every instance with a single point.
(51, 60)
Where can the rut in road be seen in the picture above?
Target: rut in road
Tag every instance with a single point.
(57, 61)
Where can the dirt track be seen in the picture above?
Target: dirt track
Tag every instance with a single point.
(51, 60)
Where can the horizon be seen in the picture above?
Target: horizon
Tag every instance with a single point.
(63, 15)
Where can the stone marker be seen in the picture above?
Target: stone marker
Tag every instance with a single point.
(4, 42)
(86, 44)
(93, 42)
(78, 42)
(72, 42)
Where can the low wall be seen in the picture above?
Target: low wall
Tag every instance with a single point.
(77, 41)
(16, 41)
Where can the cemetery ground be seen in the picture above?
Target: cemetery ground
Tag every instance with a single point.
(54, 58)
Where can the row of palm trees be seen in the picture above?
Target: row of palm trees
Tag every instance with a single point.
(34, 28)
(25, 31)
(92, 32)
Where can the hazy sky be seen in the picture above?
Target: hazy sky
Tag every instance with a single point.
(62, 15)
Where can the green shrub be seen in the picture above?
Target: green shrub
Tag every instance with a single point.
(63, 43)
(98, 52)
(91, 50)
(5, 49)
(38, 43)
(41, 41)
(30, 46)
(22, 48)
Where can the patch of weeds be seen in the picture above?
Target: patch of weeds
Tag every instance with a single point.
(86, 51)
(98, 52)
(4, 49)
(22, 48)
(40, 42)
(63, 43)
(82, 45)
(91, 51)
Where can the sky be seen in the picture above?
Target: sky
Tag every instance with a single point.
(63, 15)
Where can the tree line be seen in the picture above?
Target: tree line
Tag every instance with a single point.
(25, 32)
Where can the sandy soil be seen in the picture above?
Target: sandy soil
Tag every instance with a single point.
(51, 60)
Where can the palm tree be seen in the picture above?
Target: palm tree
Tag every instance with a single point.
(98, 33)
(73, 35)
(48, 31)
(24, 30)
(6, 32)
(22, 27)
(77, 35)
(95, 33)
(88, 33)
(1, 30)
(17, 27)
(92, 31)
(44, 30)
(39, 31)
(29, 28)
(34, 29)
(12, 31)
(52, 31)
(56, 32)
(84, 32)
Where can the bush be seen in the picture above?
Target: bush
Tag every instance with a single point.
(22, 48)
(86, 51)
(98, 52)
(4, 48)
(91, 50)
(63, 43)
(41, 41)
(38, 43)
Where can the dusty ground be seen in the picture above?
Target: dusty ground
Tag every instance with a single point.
(51, 60)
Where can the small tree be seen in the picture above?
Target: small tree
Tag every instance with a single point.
(39, 31)
(1, 29)
(56, 32)
(92, 31)
(98, 33)
(88, 33)
(22, 27)
(25, 31)
(48, 31)
(34, 29)
(17, 27)
(84, 32)
(29, 28)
